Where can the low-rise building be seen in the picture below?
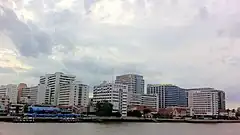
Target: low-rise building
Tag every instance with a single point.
(147, 100)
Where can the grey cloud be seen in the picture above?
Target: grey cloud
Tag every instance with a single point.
(30, 42)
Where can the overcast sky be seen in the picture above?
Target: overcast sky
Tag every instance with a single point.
(190, 43)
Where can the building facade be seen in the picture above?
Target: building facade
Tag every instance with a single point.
(59, 88)
(134, 82)
(168, 95)
(222, 100)
(81, 94)
(29, 95)
(117, 94)
(20, 87)
(146, 100)
(203, 101)
(10, 91)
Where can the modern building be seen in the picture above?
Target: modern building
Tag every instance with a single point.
(203, 101)
(146, 100)
(116, 94)
(168, 95)
(41, 94)
(29, 95)
(134, 82)
(20, 87)
(10, 91)
(222, 100)
(81, 94)
(60, 88)
(4, 102)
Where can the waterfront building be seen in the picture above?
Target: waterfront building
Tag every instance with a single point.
(168, 95)
(222, 100)
(146, 100)
(116, 94)
(134, 82)
(59, 88)
(29, 95)
(10, 91)
(81, 94)
(204, 101)
(4, 102)
(20, 87)
(34, 94)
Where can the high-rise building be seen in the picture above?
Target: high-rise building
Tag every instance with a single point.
(41, 94)
(29, 95)
(168, 95)
(81, 94)
(222, 100)
(134, 82)
(20, 87)
(146, 100)
(59, 88)
(9, 91)
(203, 101)
(116, 94)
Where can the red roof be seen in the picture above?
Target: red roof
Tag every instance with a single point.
(141, 108)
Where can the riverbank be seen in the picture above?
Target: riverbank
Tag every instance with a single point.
(107, 119)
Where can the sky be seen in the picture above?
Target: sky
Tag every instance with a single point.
(188, 43)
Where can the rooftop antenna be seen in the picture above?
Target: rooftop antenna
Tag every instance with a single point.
(112, 75)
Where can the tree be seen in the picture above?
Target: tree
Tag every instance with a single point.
(25, 109)
(117, 114)
(134, 113)
(104, 108)
(146, 111)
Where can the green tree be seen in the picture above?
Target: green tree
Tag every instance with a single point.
(104, 108)
(25, 109)
(134, 113)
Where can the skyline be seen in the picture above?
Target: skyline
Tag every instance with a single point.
(190, 44)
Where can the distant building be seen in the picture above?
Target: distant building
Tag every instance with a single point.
(29, 95)
(204, 101)
(10, 91)
(4, 102)
(146, 100)
(222, 100)
(134, 82)
(168, 95)
(19, 88)
(81, 94)
(41, 94)
(116, 94)
(34, 94)
(60, 86)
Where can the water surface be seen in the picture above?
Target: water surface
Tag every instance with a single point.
(118, 129)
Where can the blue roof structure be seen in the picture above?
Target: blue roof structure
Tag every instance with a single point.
(48, 109)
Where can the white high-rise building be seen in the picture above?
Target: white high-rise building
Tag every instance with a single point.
(117, 94)
(29, 95)
(203, 101)
(9, 91)
(42, 89)
(81, 94)
(60, 88)
(34, 94)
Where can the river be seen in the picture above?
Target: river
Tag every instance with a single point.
(118, 129)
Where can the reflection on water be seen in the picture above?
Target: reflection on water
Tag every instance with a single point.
(118, 129)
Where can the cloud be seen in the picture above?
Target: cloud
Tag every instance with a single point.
(189, 43)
